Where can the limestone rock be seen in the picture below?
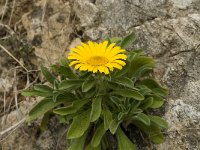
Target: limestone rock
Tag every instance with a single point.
(48, 28)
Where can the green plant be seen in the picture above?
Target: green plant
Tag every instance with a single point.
(96, 105)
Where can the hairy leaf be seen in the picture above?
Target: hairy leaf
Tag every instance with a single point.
(87, 85)
(153, 131)
(159, 121)
(155, 87)
(45, 120)
(107, 118)
(79, 125)
(36, 93)
(68, 84)
(73, 108)
(42, 107)
(143, 118)
(125, 82)
(124, 143)
(147, 103)
(114, 125)
(129, 93)
(128, 40)
(48, 75)
(96, 109)
(64, 71)
(96, 139)
(78, 143)
(157, 101)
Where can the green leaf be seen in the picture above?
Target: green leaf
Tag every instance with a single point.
(153, 131)
(73, 108)
(142, 71)
(78, 143)
(67, 96)
(116, 100)
(63, 120)
(63, 111)
(64, 62)
(128, 40)
(143, 118)
(140, 65)
(96, 139)
(87, 85)
(89, 147)
(64, 71)
(36, 93)
(124, 143)
(42, 107)
(135, 111)
(115, 40)
(150, 83)
(114, 125)
(135, 104)
(144, 90)
(79, 125)
(160, 91)
(107, 118)
(121, 115)
(129, 93)
(91, 93)
(48, 75)
(123, 71)
(43, 88)
(67, 84)
(96, 109)
(45, 120)
(125, 82)
(159, 121)
(156, 136)
(154, 86)
(114, 86)
(157, 101)
(147, 103)
(132, 55)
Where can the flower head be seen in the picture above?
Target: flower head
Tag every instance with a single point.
(96, 57)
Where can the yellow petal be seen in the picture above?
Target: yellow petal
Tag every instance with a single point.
(101, 69)
(78, 66)
(118, 56)
(103, 47)
(106, 70)
(73, 63)
(83, 68)
(120, 62)
(110, 66)
(115, 65)
(92, 47)
(116, 50)
(95, 69)
(90, 68)
(107, 51)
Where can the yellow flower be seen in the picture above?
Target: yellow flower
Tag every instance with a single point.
(96, 57)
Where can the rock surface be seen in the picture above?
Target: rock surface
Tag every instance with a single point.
(168, 30)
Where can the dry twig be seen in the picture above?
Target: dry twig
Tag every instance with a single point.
(11, 55)
(13, 7)
(12, 128)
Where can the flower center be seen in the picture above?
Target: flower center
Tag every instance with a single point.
(97, 61)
